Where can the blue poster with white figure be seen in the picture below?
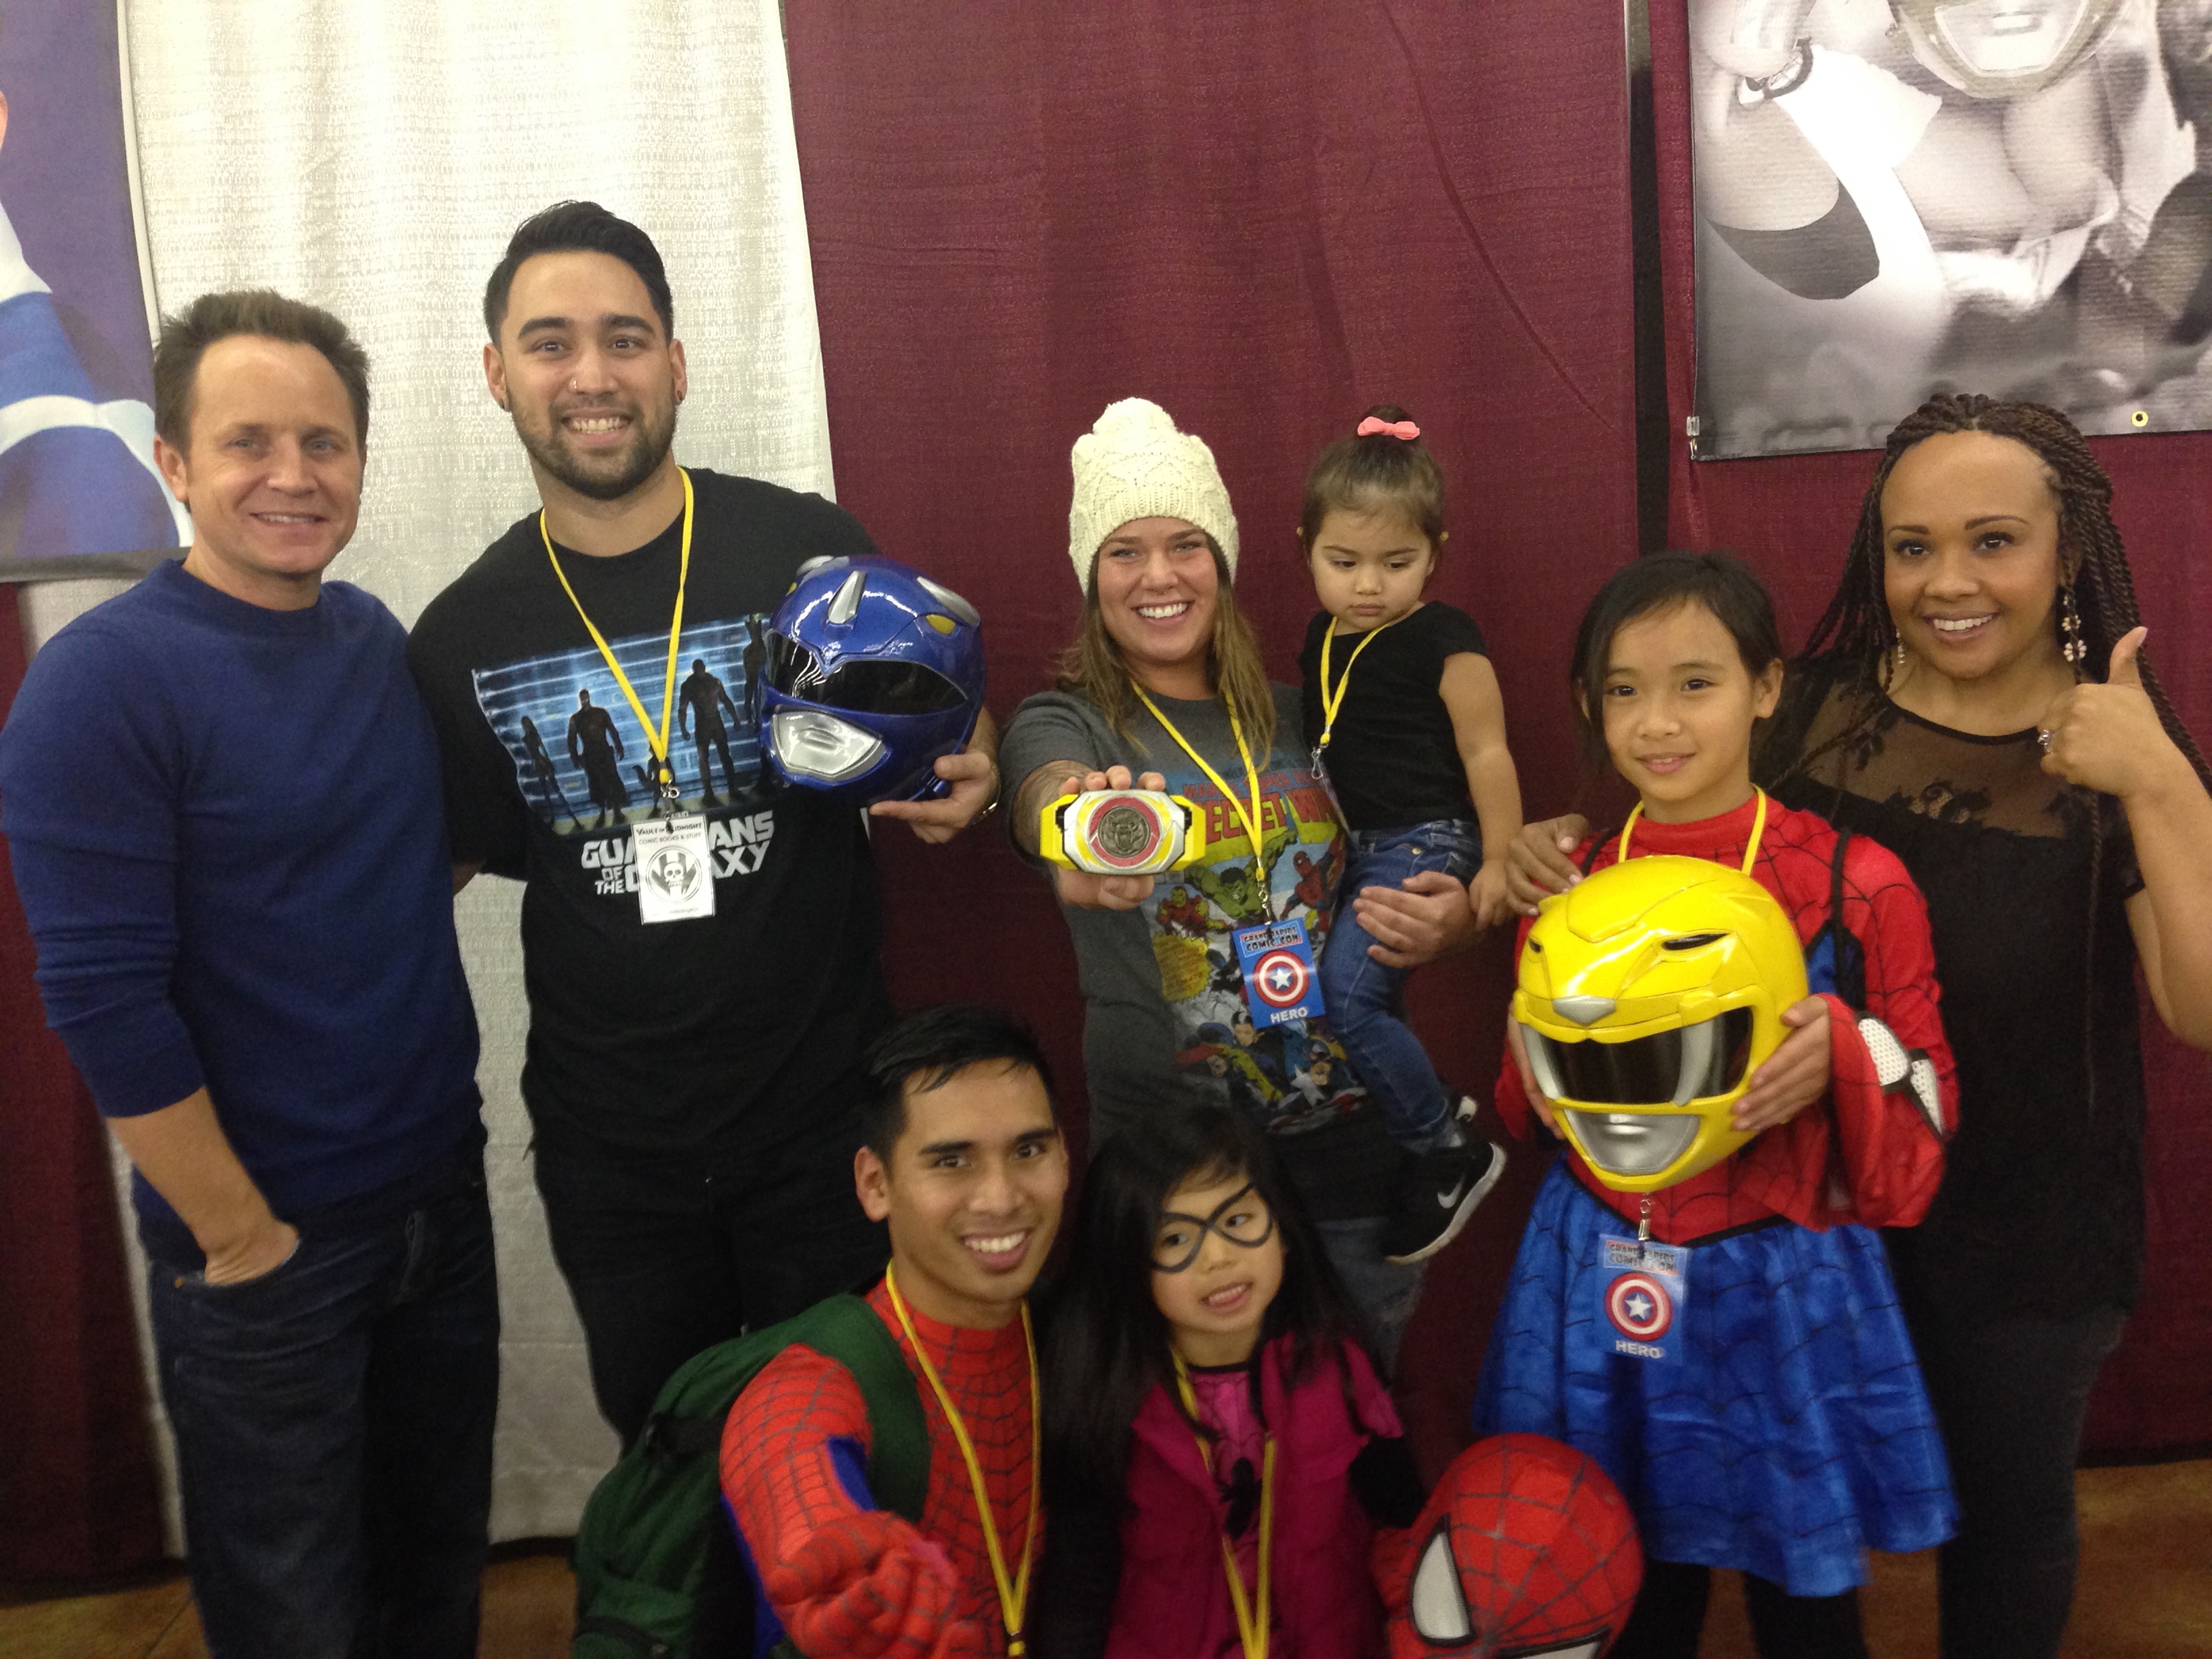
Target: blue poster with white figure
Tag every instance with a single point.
(79, 491)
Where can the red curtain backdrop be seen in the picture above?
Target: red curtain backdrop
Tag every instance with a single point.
(78, 1492)
(1794, 517)
(1265, 218)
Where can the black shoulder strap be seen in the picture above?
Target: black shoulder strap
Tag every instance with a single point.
(1849, 954)
(844, 1328)
(1596, 846)
(847, 1330)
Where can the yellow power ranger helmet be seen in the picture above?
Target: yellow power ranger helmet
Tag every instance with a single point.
(1647, 994)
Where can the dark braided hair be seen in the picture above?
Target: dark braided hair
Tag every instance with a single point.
(1856, 635)
(1851, 643)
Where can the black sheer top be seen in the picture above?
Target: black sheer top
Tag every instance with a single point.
(2041, 1210)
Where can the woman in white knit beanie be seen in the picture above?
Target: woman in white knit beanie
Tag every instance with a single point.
(1165, 688)
(1153, 541)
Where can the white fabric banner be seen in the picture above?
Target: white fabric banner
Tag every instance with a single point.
(373, 159)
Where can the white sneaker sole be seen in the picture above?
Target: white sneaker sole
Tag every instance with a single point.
(1468, 1204)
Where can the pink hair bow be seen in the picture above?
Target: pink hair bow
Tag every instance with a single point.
(1405, 429)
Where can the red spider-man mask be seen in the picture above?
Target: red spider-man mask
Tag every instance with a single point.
(1526, 1551)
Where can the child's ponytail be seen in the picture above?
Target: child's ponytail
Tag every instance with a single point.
(1382, 466)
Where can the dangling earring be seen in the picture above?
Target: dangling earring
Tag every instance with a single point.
(2070, 624)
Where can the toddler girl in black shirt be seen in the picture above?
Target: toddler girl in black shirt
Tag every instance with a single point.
(1403, 714)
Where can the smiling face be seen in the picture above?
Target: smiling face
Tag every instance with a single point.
(2000, 48)
(1369, 567)
(1221, 1231)
(1678, 706)
(972, 1189)
(1157, 586)
(1970, 555)
(589, 374)
(272, 471)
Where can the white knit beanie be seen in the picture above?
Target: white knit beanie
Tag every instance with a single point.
(1134, 464)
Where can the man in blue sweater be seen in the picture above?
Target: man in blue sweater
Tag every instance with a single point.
(220, 793)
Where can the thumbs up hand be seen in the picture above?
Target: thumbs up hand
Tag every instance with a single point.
(2107, 738)
(2125, 670)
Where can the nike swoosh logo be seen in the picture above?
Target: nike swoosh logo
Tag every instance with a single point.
(1447, 1201)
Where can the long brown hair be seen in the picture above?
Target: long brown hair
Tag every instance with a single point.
(1093, 669)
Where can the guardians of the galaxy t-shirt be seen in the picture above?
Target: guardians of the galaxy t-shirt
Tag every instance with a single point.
(1167, 1017)
(663, 1039)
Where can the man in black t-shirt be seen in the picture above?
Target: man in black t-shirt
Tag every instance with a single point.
(693, 1083)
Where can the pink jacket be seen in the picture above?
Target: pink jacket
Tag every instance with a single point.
(1173, 1602)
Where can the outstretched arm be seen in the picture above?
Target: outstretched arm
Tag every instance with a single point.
(1047, 784)
(842, 1576)
(973, 775)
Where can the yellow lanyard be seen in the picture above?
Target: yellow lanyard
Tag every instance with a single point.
(1013, 1594)
(1751, 852)
(657, 741)
(1329, 705)
(1252, 1611)
(1249, 819)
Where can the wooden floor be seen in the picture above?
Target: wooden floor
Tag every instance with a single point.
(2146, 1592)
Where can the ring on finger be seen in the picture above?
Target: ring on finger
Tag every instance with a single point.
(2043, 737)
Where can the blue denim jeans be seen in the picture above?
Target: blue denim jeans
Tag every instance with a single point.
(1385, 1292)
(1366, 999)
(333, 1421)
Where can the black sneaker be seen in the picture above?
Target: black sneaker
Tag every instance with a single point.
(1437, 1193)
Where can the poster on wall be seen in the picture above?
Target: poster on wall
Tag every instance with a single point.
(1896, 198)
(79, 493)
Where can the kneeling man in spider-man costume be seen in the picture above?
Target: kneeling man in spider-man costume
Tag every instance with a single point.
(872, 1527)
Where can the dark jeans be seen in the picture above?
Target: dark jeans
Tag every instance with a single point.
(1363, 996)
(1670, 1611)
(664, 1263)
(334, 1424)
(2010, 1396)
(1385, 1293)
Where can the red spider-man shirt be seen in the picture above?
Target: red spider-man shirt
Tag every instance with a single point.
(1865, 1153)
(857, 1581)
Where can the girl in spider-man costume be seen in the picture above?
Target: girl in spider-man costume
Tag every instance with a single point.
(1219, 1449)
(1786, 1430)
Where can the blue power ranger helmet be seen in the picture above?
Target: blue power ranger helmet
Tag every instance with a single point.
(874, 672)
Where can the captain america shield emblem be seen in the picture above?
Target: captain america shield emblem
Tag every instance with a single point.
(1639, 1307)
(1279, 979)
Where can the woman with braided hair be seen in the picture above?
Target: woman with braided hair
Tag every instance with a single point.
(1977, 699)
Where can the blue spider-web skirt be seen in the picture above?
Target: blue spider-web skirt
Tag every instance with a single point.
(1793, 1434)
